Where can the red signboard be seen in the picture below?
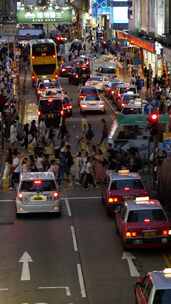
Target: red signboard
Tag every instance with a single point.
(149, 46)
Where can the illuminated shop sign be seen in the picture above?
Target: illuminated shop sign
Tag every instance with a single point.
(35, 15)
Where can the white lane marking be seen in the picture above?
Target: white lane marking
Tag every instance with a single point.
(67, 289)
(81, 281)
(7, 200)
(109, 104)
(3, 289)
(68, 207)
(74, 239)
(25, 260)
(82, 198)
(132, 268)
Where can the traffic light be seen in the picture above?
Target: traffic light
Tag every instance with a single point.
(153, 119)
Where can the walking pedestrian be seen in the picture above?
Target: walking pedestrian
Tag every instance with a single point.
(104, 135)
(89, 178)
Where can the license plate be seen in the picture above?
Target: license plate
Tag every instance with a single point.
(38, 198)
(50, 115)
(149, 234)
(93, 103)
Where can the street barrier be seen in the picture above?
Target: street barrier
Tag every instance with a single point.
(6, 178)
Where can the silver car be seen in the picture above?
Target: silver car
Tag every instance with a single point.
(92, 103)
(38, 192)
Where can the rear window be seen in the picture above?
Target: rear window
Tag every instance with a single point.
(162, 296)
(107, 70)
(126, 183)
(127, 111)
(138, 216)
(89, 98)
(37, 186)
(49, 106)
(89, 91)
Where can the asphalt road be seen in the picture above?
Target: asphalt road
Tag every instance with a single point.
(77, 258)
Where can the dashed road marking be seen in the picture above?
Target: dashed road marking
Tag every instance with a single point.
(67, 289)
(68, 207)
(81, 281)
(74, 239)
(81, 198)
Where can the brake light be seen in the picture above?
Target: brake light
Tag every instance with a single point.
(62, 112)
(113, 200)
(54, 56)
(83, 106)
(76, 75)
(165, 232)
(39, 92)
(55, 194)
(81, 96)
(33, 77)
(20, 196)
(37, 182)
(63, 70)
(130, 234)
(33, 57)
(56, 76)
(112, 92)
(39, 113)
(146, 221)
(126, 188)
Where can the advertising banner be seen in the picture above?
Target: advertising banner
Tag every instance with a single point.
(62, 15)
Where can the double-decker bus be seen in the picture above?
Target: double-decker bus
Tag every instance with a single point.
(43, 59)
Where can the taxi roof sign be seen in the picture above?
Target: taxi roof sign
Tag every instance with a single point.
(142, 199)
(123, 172)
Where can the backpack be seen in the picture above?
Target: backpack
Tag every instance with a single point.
(89, 134)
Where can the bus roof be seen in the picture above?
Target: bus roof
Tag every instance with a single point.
(39, 41)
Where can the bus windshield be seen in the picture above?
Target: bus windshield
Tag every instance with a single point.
(43, 49)
(44, 69)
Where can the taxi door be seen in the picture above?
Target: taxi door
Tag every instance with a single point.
(120, 219)
(143, 291)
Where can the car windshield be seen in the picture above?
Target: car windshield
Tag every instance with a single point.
(126, 183)
(89, 98)
(37, 185)
(89, 91)
(142, 215)
(162, 296)
(50, 105)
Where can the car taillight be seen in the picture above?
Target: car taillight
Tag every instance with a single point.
(33, 77)
(81, 96)
(62, 112)
(63, 70)
(83, 106)
(165, 232)
(20, 196)
(112, 92)
(56, 195)
(130, 234)
(39, 113)
(33, 57)
(76, 76)
(39, 92)
(112, 200)
(56, 76)
(54, 56)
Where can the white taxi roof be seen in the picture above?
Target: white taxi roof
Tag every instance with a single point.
(122, 174)
(142, 203)
(37, 175)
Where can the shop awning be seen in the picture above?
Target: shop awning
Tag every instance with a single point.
(144, 44)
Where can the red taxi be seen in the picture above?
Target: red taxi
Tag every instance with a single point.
(143, 223)
(120, 186)
(154, 288)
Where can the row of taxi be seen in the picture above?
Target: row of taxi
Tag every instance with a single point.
(141, 222)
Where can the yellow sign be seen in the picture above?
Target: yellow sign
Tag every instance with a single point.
(43, 60)
(166, 135)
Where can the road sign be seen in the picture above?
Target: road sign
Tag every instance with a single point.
(139, 119)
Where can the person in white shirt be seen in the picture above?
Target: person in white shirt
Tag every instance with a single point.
(89, 180)
(15, 169)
